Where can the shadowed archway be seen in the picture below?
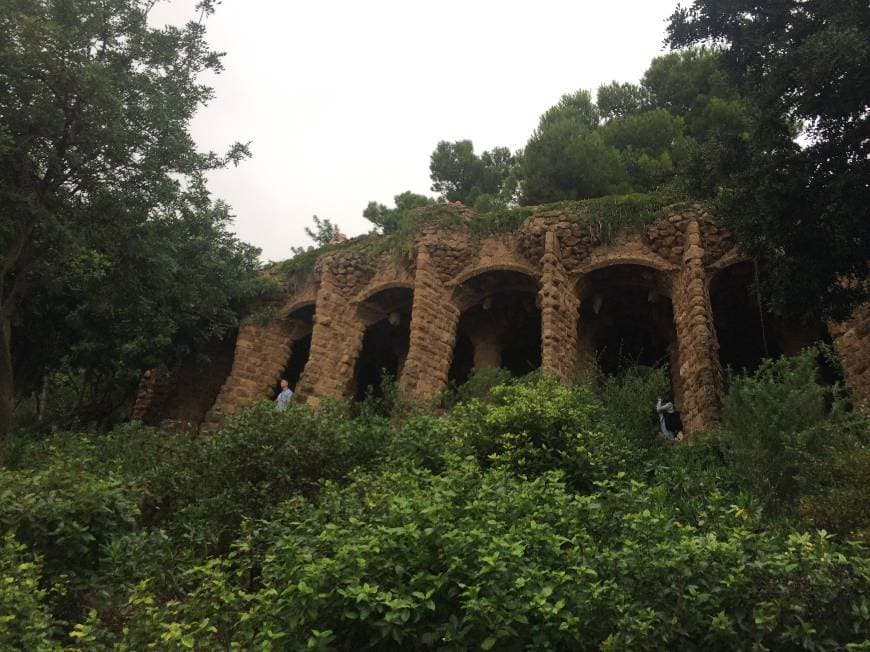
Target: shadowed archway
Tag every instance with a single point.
(626, 319)
(499, 324)
(301, 322)
(747, 332)
(387, 318)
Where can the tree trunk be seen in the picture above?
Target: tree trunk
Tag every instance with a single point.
(43, 398)
(6, 381)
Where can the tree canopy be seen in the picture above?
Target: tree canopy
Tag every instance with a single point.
(389, 220)
(113, 252)
(638, 137)
(459, 174)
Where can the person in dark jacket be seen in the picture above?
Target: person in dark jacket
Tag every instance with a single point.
(670, 423)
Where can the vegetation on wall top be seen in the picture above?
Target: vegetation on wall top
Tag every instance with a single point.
(605, 216)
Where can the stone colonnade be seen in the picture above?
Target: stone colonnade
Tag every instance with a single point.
(559, 268)
(554, 259)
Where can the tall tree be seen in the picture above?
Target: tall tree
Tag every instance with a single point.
(801, 205)
(566, 157)
(390, 220)
(459, 174)
(94, 144)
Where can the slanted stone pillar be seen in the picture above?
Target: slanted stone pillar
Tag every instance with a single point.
(434, 318)
(560, 307)
(700, 373)
(336, 341)
(261, 352)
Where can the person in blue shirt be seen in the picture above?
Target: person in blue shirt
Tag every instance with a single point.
(284, 396)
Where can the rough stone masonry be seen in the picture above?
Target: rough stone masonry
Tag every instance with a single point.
(554, 294)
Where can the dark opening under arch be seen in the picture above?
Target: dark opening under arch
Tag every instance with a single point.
(387, 315)
(746, 333)
(499, 324)
(626, 319)
(301, 324)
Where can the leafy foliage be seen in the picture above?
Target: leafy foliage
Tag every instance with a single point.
(114, 255)
(459, 174)
(785, 442)
(392, 220)
(628, 401)
(803, 64)
(24, 619)
(534, 427)
(566, 158)
(530, 515)
(323, 233)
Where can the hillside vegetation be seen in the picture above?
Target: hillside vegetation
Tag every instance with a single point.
(529, 515)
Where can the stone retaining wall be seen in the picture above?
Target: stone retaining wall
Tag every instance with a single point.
(450, 269)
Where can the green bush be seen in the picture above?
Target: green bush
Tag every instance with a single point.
(629, 401)
(834, 482)
(261, 457)
(538, 426)
(479, 386)
(486, 560)
(530, 516)
(25, 622)
(420, 440)
(781, 436)
(66, 516)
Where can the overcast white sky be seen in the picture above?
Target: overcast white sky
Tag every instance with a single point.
(344, 101)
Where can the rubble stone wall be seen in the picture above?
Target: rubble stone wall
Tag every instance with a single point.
(261, 352)
(560, 308)
(446, 269)
(434, 318)
(852, 342)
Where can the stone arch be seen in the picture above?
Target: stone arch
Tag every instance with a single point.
(496, 267)
(385, 313)
(499, 321)
(617, 258)
(370, 292)
(730, 257)
(290, 311)
(747, 332)
(627, 319)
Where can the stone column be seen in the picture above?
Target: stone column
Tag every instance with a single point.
(487, 349)
(434, 318)
(336, 341)
(560, 307)
(700, 373)
(261, 353)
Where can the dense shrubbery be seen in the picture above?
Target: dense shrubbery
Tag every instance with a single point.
(24, 619)
(529, 516)
(797, 445)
